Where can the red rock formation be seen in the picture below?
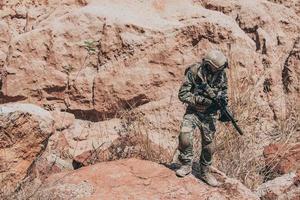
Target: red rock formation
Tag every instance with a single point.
(281, 188)
(282, 165)
(282, 159)
(134, 179)
(25, 130)
(76, 68)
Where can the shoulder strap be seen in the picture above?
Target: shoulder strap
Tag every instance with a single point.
(193, 68)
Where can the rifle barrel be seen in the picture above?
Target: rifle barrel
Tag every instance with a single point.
(233, 121)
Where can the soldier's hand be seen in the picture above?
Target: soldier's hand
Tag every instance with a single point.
(202, 100)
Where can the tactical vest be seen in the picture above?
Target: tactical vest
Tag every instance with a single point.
(200, 75)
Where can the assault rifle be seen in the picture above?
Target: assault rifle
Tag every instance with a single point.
(221, 103)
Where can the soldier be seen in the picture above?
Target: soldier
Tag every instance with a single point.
(201, 112)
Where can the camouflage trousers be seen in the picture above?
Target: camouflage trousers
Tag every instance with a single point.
(206, 124)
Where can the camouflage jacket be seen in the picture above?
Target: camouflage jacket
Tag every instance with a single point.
(195, 76)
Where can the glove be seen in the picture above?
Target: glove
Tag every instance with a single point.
(202, 100)
(209, 91)
(206, 101)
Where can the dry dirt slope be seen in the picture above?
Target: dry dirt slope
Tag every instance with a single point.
(116, 67)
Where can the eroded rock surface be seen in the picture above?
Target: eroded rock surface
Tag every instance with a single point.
(282, 172)
(146, 132)
(117, 60)
(283, 187)
(25, 129)
(282, 158)
(134, 179)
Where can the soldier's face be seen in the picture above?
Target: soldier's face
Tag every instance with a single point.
(211, 67)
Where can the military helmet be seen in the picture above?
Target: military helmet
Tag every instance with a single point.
(216, 59)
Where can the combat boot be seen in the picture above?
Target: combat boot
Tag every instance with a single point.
(184, 170)
(207, 177)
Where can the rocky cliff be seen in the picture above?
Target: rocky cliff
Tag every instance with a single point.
(108, 72)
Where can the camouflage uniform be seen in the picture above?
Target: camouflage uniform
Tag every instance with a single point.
(200, 112)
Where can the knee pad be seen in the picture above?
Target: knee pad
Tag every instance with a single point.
(184, 140)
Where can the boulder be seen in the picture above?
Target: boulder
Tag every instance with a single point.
(114, 62)
(134, 179)
(25, 129)
(280, 188)
(282, 158)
